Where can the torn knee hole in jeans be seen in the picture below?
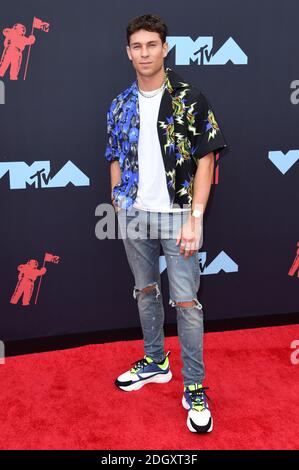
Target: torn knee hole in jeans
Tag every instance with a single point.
(146, 290)
(177, 303)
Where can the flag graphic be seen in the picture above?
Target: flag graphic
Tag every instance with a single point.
(51, 258)
(36, 24)
(39, 24)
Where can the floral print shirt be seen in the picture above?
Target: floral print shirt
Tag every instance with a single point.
(187, 130)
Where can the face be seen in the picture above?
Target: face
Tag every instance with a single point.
(21, 30)
(33, 263)
(147, 52)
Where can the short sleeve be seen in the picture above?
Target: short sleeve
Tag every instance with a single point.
(111, 152)
(206, 135)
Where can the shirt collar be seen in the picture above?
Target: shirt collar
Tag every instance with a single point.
(174, 83)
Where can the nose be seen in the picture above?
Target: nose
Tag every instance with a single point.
(144, 51)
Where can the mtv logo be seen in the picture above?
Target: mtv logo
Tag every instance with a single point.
(283, 161)
(38, 175)
(222, 262)
(200, 51)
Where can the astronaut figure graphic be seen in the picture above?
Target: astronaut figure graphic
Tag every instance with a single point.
(14, 44)
(295, 265)
(28, 274)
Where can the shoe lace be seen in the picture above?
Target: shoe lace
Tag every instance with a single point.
(139, 364)
(198, 398)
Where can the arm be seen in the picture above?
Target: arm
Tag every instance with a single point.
(202, 182)
(111, 153)
(30, 40)
(206, 139)
(192, 230)
(41, 271)
(115, 176)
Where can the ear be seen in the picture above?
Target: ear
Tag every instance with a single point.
(129, 52)
(165, 49)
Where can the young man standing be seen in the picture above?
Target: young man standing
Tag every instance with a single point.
(162, 137)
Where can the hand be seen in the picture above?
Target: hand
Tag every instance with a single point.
(189, 236)
(113, 203)
(116, 208)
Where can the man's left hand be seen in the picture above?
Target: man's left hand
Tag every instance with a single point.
(189, 236)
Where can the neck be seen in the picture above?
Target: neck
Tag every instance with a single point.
(151, 83)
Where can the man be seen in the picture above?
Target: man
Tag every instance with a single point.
(28, 273)
(162, 136)
(14, 44)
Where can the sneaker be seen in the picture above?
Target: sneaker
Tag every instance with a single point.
(199, 416)
(145, 371)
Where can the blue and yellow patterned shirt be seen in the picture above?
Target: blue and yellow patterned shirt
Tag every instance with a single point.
(187, 130)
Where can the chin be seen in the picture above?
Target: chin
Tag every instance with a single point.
(146, 71)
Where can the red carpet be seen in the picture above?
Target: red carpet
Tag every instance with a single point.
(67, 399)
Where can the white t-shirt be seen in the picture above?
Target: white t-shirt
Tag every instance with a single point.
(152, 191)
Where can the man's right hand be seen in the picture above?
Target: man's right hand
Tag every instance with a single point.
(116, 208)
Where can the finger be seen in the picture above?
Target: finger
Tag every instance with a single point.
(186, 250)
(178, 238)
(191, 248)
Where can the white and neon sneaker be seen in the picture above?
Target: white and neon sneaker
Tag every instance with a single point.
(145, 371)
(199, 416)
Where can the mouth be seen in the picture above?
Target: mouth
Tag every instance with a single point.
(145, 63)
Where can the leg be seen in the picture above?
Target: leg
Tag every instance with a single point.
(190, 332)
(143, 259)
(28, 292)
(17, 292)
(15, 66)
(184, 280)
(5, 61)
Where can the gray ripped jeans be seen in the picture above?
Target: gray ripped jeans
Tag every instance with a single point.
(142, 246)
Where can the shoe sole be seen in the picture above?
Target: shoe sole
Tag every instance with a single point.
(189, 425)
(158, 379)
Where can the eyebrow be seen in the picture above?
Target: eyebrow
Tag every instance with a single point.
(149, 42)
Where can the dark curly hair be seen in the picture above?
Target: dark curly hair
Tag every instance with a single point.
(149, 23)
